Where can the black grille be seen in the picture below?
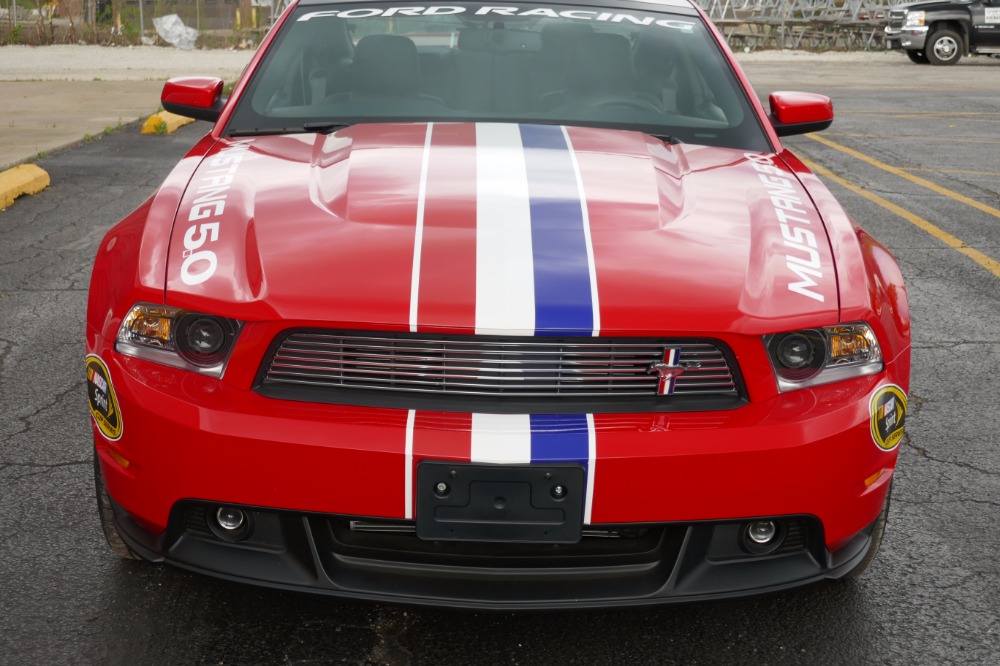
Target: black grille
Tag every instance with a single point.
(537, 369)
(600, 546)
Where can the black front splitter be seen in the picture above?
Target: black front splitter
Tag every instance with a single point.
(312, 553)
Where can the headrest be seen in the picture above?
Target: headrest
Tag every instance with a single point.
(655, 51)
(386, 65)
(559, 36)
(602, 64)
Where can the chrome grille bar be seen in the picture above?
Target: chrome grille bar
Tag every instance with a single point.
(528, 367)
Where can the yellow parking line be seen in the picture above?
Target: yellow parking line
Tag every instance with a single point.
(925, 114)
(925, 139)
(933, 187)
(961, 171)
(987, 262)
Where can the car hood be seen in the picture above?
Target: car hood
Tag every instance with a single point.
(932, 4)
(497, 228)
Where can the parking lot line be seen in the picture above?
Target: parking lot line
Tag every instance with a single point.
(959, 171)
(912, 137)
(917, 180)
(984, 260)
(962, 115)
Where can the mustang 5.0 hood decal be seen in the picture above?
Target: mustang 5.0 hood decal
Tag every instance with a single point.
(501, 228)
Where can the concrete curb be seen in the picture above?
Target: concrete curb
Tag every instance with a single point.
(164, 122)
(22, 179)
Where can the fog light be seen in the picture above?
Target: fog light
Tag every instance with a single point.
(762, 532)
(762, 537)
(230, 519)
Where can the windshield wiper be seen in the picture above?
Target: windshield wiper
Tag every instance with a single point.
(665, 138)
(262, 131)
(323, 127)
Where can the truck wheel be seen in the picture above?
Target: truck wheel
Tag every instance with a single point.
(918, 57)
(944, 47)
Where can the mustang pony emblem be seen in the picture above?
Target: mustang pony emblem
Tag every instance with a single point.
(668, 369)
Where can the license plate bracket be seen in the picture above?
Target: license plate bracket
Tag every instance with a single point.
(501, 503)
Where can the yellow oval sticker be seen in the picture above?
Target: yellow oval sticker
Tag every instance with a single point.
(102, 400)
(888, 414)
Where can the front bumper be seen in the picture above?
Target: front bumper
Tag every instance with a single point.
(688, 482)
(621, 566)
(911, 39)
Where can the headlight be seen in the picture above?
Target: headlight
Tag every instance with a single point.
(914, 19)
(823, 355)
(179, 338)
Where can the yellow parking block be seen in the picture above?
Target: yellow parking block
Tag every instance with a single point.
(164, 122)
(22, 179)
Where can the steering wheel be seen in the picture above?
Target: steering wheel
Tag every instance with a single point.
(631, 102)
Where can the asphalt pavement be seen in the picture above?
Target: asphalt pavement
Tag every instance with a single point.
(930, 598)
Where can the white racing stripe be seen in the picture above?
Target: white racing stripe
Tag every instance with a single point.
(411, 416)
(505, 285)
(501, 438)
(591, 464)
(590, 255)
(418, 239)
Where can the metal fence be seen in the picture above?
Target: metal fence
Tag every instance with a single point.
(746, 24)
(131, 21)
(845, 25)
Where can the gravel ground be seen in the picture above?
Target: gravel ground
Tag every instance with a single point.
(137, 63)
(123, 63)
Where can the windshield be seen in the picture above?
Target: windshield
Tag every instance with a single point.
(653, 71)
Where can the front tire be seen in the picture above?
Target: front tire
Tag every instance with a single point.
(877, 533)
(944, 47)
(107, 516)
(917, 57)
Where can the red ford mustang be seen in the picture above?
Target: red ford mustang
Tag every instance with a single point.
(511, 306)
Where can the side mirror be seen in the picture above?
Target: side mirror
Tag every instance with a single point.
(800, 113)
(194, 96)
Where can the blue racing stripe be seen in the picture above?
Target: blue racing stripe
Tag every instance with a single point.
(559, 438)
(563, 304)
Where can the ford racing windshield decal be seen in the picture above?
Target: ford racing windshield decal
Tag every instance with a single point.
(521, 12)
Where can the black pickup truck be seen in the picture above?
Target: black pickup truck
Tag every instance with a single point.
(940, 32)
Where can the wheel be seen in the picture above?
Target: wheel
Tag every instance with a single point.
(944, 47)
(106, 514)
(918, 57)
(877, 533)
